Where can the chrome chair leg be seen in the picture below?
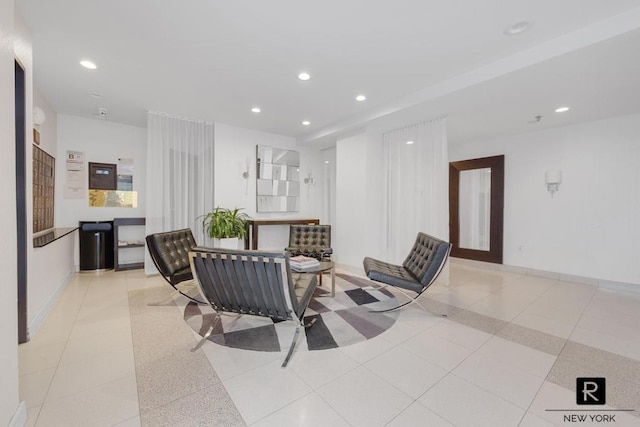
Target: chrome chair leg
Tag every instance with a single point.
(295, 339)
(293, 345)
(208, 334)
(411, 301)
(172, 296)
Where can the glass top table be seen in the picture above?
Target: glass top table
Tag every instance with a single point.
(325, 266)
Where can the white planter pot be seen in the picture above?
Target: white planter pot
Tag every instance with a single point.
(228, 243)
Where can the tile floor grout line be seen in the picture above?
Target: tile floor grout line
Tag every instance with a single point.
(92, 283)
(46, 395)
(135, 370)
(179, 309)
(557, 357)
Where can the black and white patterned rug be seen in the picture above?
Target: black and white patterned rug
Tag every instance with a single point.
(339, 321)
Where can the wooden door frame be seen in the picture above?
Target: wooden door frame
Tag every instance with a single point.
(496, 164)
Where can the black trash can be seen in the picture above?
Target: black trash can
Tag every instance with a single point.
(96, 245)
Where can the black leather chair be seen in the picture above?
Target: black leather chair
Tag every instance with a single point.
(310, 240)
(251, 282)
(418, 271)
(170, 254)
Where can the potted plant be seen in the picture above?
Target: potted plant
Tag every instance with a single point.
(225, 226)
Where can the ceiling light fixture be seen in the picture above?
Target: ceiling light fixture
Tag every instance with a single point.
(304, 76)
(517, 28)
(255, 110)
(306, 122)
(409, 142)
(88, 64)
(562, 109)
(361, 98)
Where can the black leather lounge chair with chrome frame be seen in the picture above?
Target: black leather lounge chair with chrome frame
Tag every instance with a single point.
(310, 240)
(418, 271)
(170, 254)
(256, 283)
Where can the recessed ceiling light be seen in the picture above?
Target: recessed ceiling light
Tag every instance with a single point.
(517, 28)
(409, 142)
(562, 109)
(256, 110)
(304, 76)
(326, 161)
(88, 64)
(361, 98)
(306, 122)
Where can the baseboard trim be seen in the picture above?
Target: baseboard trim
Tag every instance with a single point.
(37, 321)
(19, 418)
(629, 288)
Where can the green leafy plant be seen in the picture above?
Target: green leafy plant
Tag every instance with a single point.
(225, 223)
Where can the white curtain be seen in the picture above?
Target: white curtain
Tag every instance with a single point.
(417, 186)
(180, 178)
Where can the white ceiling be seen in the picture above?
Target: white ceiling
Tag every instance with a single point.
(414, 59)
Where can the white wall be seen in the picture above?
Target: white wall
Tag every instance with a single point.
(590, 228)
(8, 290)
(235, 151)
(49, 267)
(329, 157)
(48, 130)
(358, 198)
(102, 142)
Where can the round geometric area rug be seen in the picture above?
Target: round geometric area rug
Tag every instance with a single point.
(339, 321)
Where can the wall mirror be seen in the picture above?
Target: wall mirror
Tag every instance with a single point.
(476, 205)
(278, 179)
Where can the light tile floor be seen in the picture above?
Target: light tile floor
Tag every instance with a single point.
(508, 353)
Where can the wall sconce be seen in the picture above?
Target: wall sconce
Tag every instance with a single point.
(553, 180)
(309, 179)
(39, 116)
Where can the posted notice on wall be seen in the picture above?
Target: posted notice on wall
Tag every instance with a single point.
(74, 187)
(125, 175)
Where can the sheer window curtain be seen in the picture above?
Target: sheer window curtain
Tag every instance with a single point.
(180, 175)
(417, 186)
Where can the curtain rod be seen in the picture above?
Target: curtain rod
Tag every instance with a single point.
(414, 125)
(171, 116)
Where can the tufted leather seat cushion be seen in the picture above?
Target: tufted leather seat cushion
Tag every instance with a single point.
(417, 270)
(394, 275)
(170, 251)
(310, 240)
